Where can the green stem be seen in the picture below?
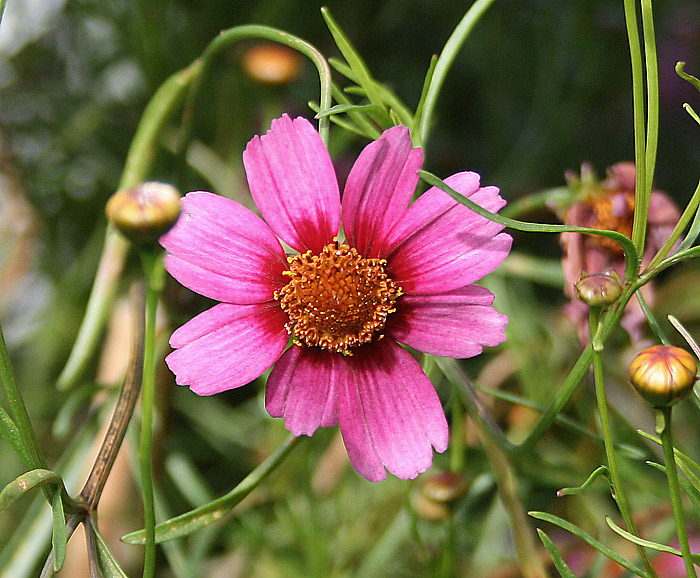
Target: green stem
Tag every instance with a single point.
(136, 169)
(640, 208)
(444, 63)
(153, 273)
(613, 468)
(663, 430)
(652, 78)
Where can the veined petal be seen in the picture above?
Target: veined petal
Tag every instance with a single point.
(389, 412)
(440, 245)
(223, 251)
(302, 388)
(227, 346)
(379, 189)
(293, 183)
(453, 324)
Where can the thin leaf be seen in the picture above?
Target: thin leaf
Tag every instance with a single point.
(418, 116)
(198, 518)
(108, 565)
(340, 121)
(687, 465)
(354, 60)
(602, 548)
(647, 543)
(24, 484)
(601, 471)
(343, 108)
(555, 555)
(10, 432)
(59, 537)
(688, 488)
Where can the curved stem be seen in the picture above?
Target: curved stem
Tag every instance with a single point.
(615, 478)
(663, 430)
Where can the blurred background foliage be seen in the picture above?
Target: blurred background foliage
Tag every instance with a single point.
(539, 88)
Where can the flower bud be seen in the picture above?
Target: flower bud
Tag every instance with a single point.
(437, 494)
(144, 213)
(271, 64)
(663, 374)
(599, 289)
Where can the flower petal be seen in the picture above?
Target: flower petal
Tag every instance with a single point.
(302, 388)
(452, 324)
(379, 189)
(389, 412)
(227, 346)
(440, 245)
(293, 183)
(223, 251)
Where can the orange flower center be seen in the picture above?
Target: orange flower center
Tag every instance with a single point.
(604, 218)
(337, 299)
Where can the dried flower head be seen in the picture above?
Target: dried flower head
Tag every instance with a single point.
(609, 205)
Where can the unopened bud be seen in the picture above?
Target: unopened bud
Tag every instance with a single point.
(663, 374)
(436, 495)
(144, 213)
(599, 289)
(272, 64)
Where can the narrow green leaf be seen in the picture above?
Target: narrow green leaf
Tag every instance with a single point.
(24, 484)
(354, 60)
(342, 108)
(555, 555)
(689, 109)
(59, 538)
(198, 518)
(340, 121)
(646, 543)
(108, 565)
(692, 492)
(418, 116)
(602, 548)
(601, 471)
(10, 432)
(687, 465)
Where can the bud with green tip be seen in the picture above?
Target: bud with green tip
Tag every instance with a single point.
(663, 374)
(599, 289)
(144, 213)
(437, 494)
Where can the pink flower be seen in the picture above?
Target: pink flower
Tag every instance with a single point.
(403, 274)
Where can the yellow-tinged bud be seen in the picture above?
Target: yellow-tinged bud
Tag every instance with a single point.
(599, 289)
(144, 213)
(437, 494)
(663, 374)
(272, 64)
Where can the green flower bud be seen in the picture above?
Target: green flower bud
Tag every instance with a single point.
(663, 374)
(144, 213)
(599, 289)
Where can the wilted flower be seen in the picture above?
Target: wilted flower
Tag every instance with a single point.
(402, 274)
(610, 205)
(663, 374)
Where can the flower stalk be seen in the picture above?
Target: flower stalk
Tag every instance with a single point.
(664, 431)
(618, 494)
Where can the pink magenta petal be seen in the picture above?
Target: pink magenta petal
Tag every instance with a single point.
(302, 388)
(389, 412)
(227, 346)
(453, 324)
(379, 189)
(223, 251)
(440, 245)
(293, 183)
